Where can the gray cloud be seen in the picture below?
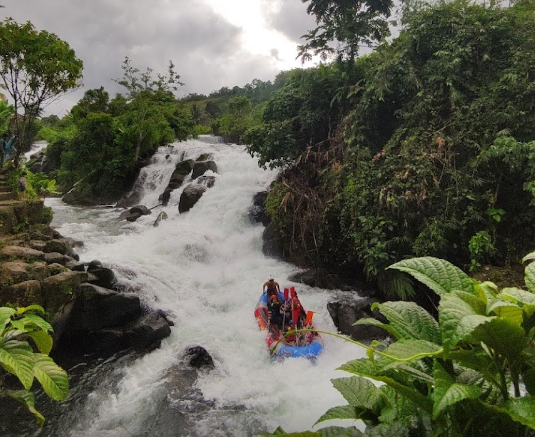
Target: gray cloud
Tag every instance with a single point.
(205, 48)
(291, 19)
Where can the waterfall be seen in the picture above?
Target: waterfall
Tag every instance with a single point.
(205, 268)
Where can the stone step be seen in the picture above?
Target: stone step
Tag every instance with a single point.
(7, 195)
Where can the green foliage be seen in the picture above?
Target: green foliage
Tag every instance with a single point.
(35, 67)
(20, 329)
(436, 130)
(236, 120)
(468, 374)
(298, 116)
(6, 112)
(349, 24)
(480, 247)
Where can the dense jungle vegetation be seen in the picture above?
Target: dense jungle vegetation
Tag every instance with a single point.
(423, 148)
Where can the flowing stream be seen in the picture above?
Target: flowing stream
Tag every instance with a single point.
(205, 268)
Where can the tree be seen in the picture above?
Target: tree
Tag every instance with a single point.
(237, 119)
(146, 93)
(95, 100)
(348, 23)
(36, 67)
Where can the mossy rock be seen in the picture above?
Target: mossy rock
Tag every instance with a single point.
(8, 220)
(29, 211)
(22, 294)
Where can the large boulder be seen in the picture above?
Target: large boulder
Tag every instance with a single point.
(22, 294)
(134, 213)
(257, 212)
(271, 239)
(201, 167)
(190, 196)
(60, 289)
(105, 277)
(181, 171)
(39, 163)
(25, 253)
(207, 181)
(350, 308)
(198, 357)
(97, 307)
(143, 334)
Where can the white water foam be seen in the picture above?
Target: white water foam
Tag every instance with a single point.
(206, 268)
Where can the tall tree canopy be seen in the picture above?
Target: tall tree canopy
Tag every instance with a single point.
(36, 67)
(344, 25)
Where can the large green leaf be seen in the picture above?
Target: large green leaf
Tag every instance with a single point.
(506, 310)
(374, 322)
(410, 321)
(42, 340)
(357, 391)
(412, 350)
(521, 410)
(360, 366)
(439, 275)
(502, 335)
(366, 368)
(5, 316)
(338, 413)
(529, 276)
(53, 378)
(448, 392)
(478, 304)
(39, 322)
(529, 257)
(27, 398)
(395, 406)
(514, 294)
(36, 308)
(476, 359)
(18, 359)
(452, 310)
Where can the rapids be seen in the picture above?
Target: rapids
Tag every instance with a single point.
(206, 269)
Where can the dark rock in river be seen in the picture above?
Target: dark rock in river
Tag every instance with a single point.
(198, 357)
(104, 276)
(318, 278)
(201, 167)
(134, 213)
(190, 196)
(257, 212)
(271, 238)
(351, 308)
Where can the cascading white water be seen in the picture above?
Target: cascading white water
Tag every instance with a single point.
(206, 269)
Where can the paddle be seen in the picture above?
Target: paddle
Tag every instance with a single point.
(308, 320)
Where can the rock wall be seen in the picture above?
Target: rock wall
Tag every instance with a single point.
(40, 266)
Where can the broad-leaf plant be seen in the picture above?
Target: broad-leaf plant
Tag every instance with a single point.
(469, 373)
(25, 343)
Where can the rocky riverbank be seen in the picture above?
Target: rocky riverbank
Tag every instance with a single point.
(90, 315)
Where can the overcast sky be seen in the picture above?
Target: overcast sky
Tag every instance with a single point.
(213, 43)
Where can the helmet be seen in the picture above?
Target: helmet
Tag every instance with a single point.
(291, 322)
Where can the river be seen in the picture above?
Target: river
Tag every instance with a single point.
(205, 268)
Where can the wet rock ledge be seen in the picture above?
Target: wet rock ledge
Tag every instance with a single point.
(89, 314)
